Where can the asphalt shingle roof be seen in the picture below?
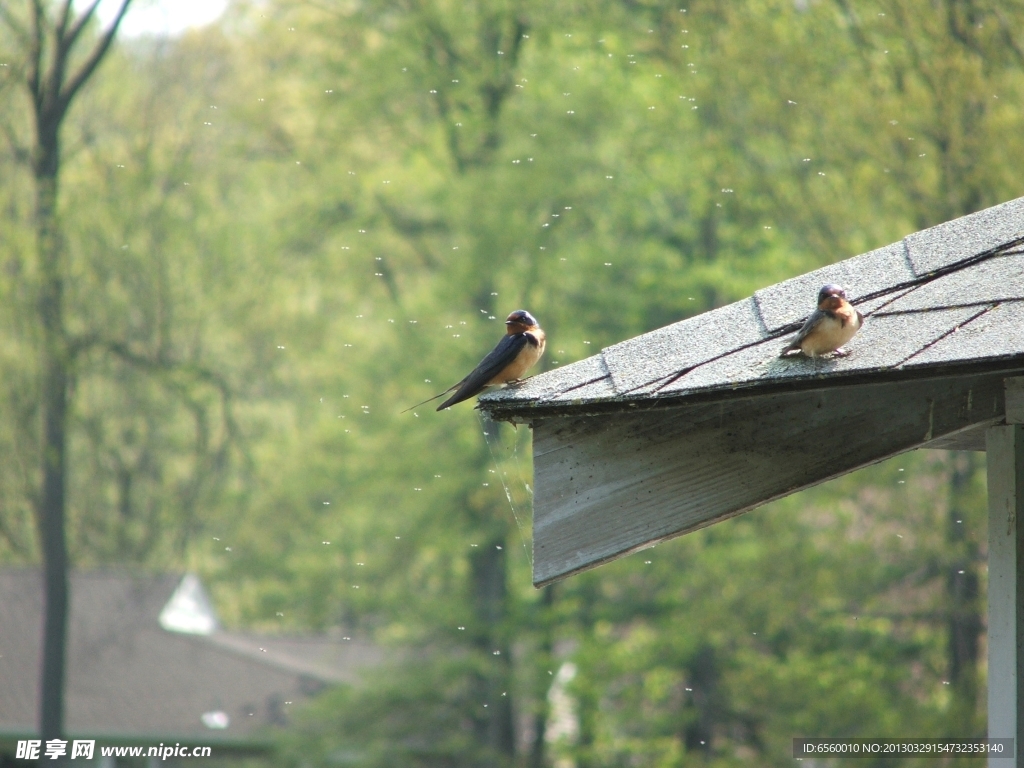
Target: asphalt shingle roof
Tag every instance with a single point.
(948, 296)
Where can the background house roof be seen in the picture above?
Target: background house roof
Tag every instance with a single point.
(947, 296)
(130, 679)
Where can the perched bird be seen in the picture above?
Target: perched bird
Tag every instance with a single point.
(516, 353)
(831, 325)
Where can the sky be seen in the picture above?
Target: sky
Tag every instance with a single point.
(161, 17)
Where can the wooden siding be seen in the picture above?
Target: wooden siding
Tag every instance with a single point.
(612, 484)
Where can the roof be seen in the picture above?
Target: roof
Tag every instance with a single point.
(951, 296)
(702, 420)
(130, 679)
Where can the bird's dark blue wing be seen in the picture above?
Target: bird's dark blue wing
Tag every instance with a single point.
(497, 360)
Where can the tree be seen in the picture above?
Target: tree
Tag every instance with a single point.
(148, 427)
(48, 41)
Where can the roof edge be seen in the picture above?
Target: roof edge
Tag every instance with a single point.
(520, 412)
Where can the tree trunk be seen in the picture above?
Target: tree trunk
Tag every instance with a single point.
(496, 728)
(49, 43)
(546, 653)
(703, 675)
(55, 372)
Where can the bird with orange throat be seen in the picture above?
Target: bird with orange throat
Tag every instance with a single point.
(831, 325)
(517, 352)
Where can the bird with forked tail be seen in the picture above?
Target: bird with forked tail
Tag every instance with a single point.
(517, 352)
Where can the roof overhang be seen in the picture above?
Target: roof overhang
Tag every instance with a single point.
(607, 484)
(701, 420)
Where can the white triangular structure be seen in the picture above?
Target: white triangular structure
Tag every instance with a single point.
(189, 610)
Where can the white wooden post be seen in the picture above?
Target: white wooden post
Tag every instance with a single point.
(1005, 448)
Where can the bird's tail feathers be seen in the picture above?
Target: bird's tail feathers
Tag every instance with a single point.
(429, 399)
(458, 397)
(793, 346)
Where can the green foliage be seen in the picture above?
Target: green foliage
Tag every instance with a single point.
(424, 714)
(817, 614)
(286, 229)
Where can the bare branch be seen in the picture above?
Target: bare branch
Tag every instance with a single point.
(79, 25)
(90, 64)
(65, 14)
(35, 62)
(144, 362)
(162, 366)
(54, 78)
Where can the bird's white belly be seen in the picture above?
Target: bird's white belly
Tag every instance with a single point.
(829, 336)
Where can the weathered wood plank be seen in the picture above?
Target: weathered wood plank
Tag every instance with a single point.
(972, 439)
(1005, 448)
(1015, 400)
(609, 485)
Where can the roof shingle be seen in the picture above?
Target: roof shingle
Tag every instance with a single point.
(949, 295)
(942, 246)
(666, 351)
(789, 302)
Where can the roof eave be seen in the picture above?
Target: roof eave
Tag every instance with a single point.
(525, 411)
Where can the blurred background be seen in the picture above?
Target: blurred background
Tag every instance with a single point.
(279, 223)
